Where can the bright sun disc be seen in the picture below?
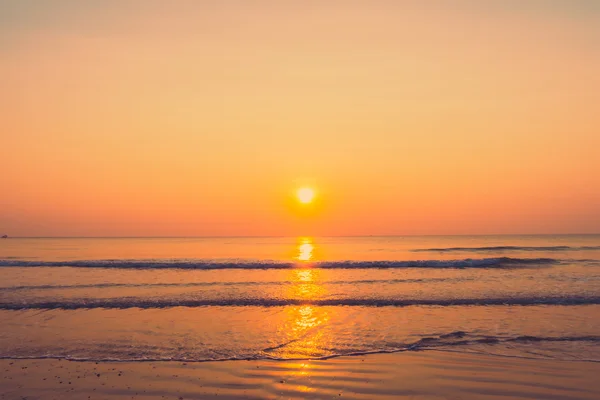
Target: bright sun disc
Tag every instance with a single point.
(306, 195)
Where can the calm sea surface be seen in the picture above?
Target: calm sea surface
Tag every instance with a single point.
(202, 299)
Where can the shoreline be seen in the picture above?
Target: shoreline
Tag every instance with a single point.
(415, 375)
(300, 359)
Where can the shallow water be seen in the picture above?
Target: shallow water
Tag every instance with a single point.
(202, 299)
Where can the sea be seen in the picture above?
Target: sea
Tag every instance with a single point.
(298, 298)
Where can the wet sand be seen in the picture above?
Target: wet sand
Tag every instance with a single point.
(409, 375)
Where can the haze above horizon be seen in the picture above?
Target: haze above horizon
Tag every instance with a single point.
(204, 119)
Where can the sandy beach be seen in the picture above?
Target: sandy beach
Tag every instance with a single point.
(409, 375)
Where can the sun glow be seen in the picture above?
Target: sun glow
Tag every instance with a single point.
(305, 195)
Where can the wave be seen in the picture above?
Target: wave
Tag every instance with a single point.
(496, 262)
(225, 283)
(459, 338)
(509, 248)
(447, 341)
(125, 303)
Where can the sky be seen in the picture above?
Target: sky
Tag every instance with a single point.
(202, 118)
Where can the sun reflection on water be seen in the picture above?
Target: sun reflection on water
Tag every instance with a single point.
(305, 330)
(305, 250)
(305, 284)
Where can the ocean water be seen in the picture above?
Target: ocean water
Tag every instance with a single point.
(204, 299)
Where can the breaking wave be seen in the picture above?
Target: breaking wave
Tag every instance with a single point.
(124, 303)
(452, 340)
(509, 248)
(222, 283)
(496, 262)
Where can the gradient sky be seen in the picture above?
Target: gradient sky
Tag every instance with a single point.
(144, 118)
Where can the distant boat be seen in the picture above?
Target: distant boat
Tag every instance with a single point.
(5, 237)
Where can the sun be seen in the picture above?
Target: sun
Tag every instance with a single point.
(305, 195)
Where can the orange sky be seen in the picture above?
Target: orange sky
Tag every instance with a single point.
(144, 118)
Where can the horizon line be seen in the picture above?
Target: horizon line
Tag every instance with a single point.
(296, 236)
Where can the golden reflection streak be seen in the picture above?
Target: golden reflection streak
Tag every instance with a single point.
(305, 249)
(305, 329)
